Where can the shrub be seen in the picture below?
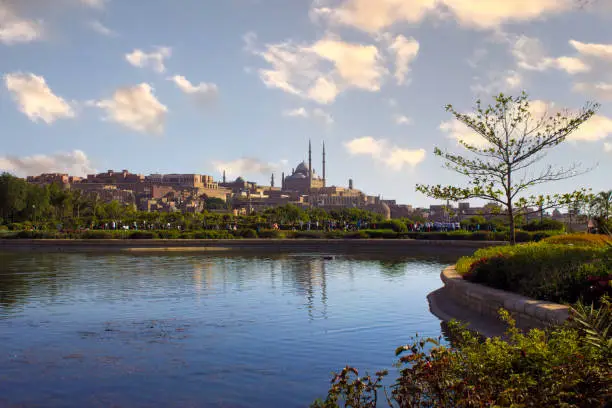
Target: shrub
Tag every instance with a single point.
(142, 235)
(381, 233)
(15, 226)
(559, 368)
(270, 233)
(540, 235)
(313, 234)
(97, 234)
(541, 271)
(169, 234)
(245, 233)
(212, 234)
(395, 225)
(356, 235)
(544, 225)
(589, 240)
(37, 235)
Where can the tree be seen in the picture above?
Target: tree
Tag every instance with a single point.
(214, 203)
(602, 203)
(13, 192)
(515, 138)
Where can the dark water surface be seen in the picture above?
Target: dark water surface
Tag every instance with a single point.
(182, 330)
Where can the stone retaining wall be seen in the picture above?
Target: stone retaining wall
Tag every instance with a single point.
(354, 246)
(487, 301)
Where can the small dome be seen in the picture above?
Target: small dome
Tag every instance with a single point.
(239, 180)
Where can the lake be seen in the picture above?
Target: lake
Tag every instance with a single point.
(159, 329)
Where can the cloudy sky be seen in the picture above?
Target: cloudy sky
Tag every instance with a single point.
(206, 85)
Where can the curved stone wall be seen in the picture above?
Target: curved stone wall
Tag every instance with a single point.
(487, 301)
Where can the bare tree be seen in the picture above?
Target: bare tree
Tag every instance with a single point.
(501, 169)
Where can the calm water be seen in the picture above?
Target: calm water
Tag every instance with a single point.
(100, 330)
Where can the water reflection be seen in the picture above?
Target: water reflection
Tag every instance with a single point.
(181, 329)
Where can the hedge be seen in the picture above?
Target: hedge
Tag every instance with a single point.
(521, 236)
(552, 272)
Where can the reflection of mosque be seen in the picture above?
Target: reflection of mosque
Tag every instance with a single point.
(308, 277)
(304, 276)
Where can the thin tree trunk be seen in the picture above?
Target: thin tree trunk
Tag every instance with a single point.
(512, 226)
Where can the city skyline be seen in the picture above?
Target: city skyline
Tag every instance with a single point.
(242, 85)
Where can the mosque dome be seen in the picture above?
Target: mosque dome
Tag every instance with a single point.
(240, 180)
(302, 168)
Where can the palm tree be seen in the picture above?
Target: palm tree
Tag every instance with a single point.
(603, 204)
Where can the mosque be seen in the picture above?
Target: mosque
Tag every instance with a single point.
(301, 179)
(306, 188)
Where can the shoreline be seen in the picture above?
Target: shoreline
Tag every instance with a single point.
(370, 246)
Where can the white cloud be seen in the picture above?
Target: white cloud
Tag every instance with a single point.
(323, 116)
(74, 163)
(598, 127)
(99, 4)
(35, 98)
(245, 166)
(322, 70)
(101, 29)
(460, 132)
(601, 90)
(376, 15)
(497, 82)
(403, 120)
(602, 51)
(295, 113)
(381, 150)
(317, 114)
(14, 29)
(405, 51)
(493, 13)
(530, 55)
(136, 108)
(202, 92)
(154, 60)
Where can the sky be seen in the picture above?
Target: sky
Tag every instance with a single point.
(202, 86)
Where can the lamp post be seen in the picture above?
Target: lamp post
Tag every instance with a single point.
(34, 215)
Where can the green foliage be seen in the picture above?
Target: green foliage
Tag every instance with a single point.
(544, 225)
(270, 233)
(97, 234)
(245, 233)
(381, 233)
(596, 325)
(557, 273)
(213, 203)
(395, 225)
(559, 368)
(590, 240)
(142, 235)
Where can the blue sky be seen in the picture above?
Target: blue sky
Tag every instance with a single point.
(204, 85)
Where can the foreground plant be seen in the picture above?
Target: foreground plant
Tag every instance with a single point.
(562, 367)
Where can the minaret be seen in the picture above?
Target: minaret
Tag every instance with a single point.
(324, 184)
(223, 176)
(309, 167)
(283, 180)
(272, 181)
